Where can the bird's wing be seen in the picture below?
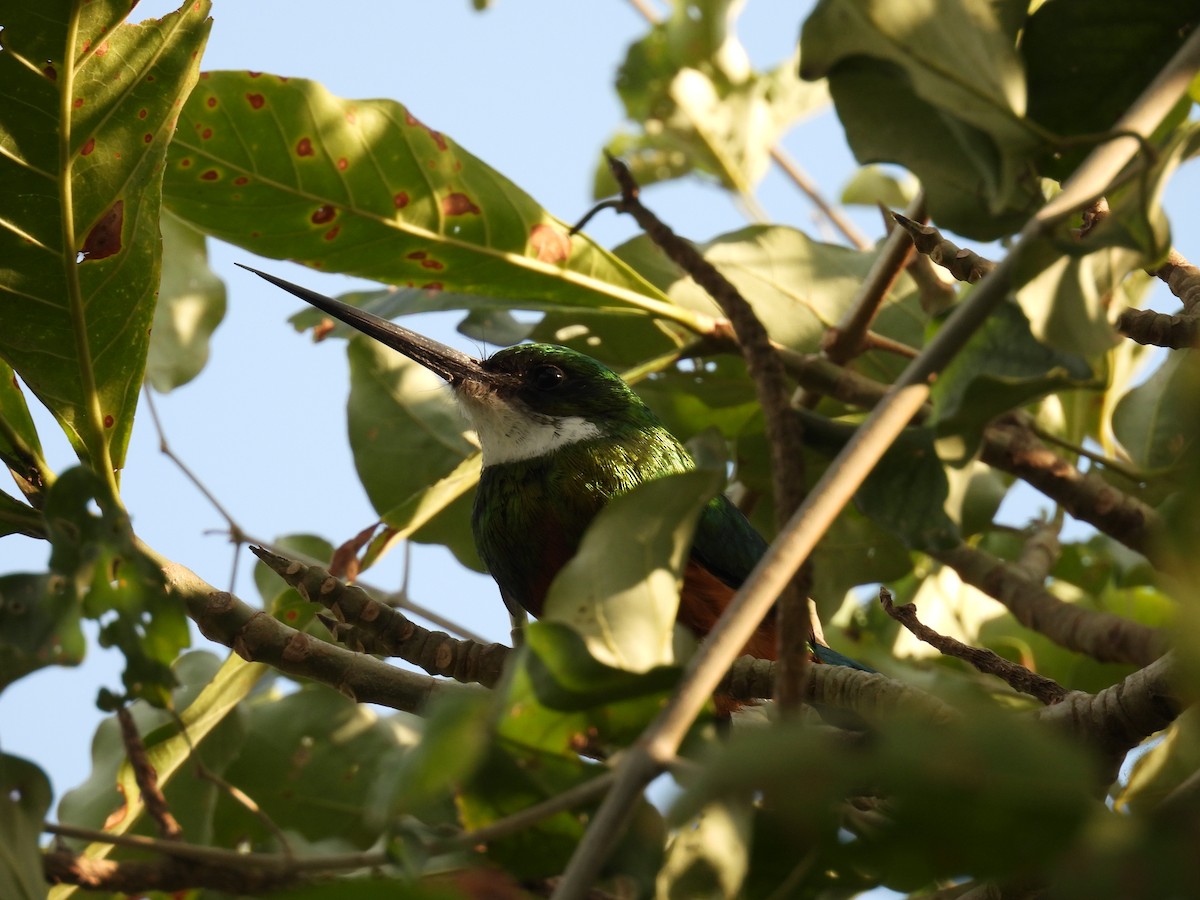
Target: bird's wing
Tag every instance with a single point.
(726, 543)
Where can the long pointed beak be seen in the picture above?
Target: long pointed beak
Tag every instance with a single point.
(456, 367)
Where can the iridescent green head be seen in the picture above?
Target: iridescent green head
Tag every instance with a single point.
(524, 402)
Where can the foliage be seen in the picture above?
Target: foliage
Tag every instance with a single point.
(110, 135)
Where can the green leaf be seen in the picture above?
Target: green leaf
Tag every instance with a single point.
(209, 694)
(1169, 762)
(620, 591)
(104, 570)
(405, 429)
(1029, 790)
(285, 169)
(414, 454)
(907, 491)
(453, 743)
(939, 90)
(19, 440)
(565, 675)
(1002, 367)
(688, 85)
(797, 286)
(20, 518)
(191, 304)
(314, 760)
(24, 801)
(1156, 421)
(873, 185)
(39, 627)
(710, 854)
(81, 199)
(1088, 60)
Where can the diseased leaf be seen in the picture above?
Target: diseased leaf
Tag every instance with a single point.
(873, 185)
(191, 304)
(285, 169)
(39, 626)
(78, 285)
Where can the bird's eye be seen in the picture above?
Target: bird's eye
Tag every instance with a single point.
(547, 378)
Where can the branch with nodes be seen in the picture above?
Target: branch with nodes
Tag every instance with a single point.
(1101, 635)
(1015, 675)
(146, 778)
(368, 626)
(964, 264)
(257, 637)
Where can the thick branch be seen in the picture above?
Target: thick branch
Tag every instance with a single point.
(1100, 635)
(1010, 444)
(1120, 717)
(257, 637)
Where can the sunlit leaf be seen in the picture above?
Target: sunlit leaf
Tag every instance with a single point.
(709, 855)
(81, 201)
(1155, 421)
(798, 287)
(620, 591)
(285, 169)
(938, 89)
(874, 185)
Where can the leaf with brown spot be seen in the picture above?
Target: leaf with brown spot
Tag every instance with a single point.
(397, 185)
(111, 174)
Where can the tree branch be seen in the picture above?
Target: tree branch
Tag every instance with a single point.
(1016, 676)
(785, 435)
(1100, 635)
(368, 626)
(257, 637)
(1118, 718)
(1010, 445)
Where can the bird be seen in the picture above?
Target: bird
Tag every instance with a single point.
(561, 435)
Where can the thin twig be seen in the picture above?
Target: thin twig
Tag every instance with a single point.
(662, 738)
(784, 431)
(800, 178)
(146, 777)
(1013, 674)
(844, 342)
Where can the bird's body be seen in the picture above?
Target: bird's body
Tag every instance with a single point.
(561, 436)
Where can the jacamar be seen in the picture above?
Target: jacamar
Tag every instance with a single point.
(561, 435)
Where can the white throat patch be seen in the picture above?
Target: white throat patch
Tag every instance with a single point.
(509, 433)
